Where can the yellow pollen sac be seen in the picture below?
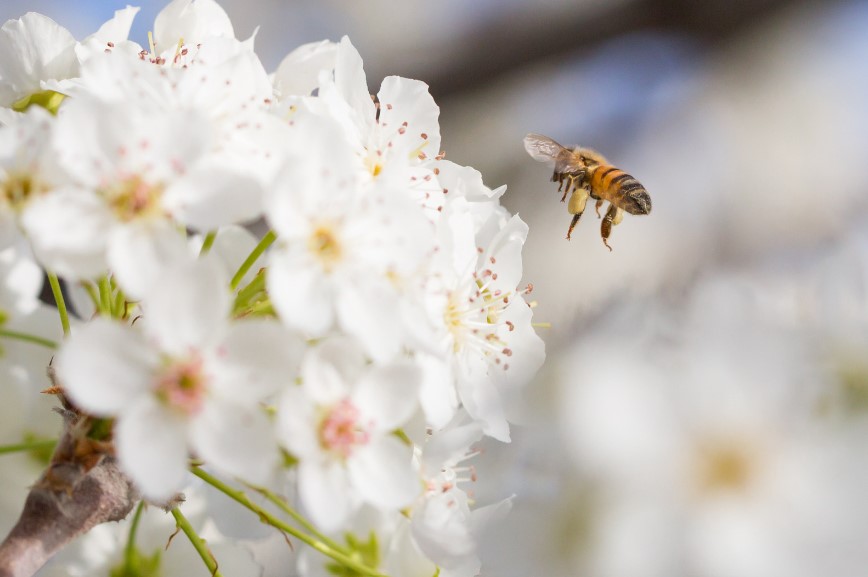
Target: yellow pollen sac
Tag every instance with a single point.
(373, 164)
(18, 188)
(134, 198)
(325, 245)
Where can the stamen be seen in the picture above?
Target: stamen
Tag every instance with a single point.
(341, 432)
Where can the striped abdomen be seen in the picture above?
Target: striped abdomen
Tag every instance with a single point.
(621, 189)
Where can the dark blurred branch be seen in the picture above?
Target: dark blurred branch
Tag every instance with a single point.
(506, 45)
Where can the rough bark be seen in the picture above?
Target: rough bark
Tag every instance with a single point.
(82, 487)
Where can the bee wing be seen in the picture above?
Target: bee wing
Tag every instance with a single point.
(544, 149)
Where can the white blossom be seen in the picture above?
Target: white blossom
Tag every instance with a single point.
(339, 425)
(190, 378)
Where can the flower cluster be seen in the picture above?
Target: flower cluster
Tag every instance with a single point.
(352, 356)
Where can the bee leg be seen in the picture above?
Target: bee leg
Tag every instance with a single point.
(576, 207)
(613, 216)
(570, 183)
(598, 206)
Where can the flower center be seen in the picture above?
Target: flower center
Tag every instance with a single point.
(341, 432)
(725, 467)
(18, 188)
(374, 163)
(134, 198)
(183, 384)
(473, 318)
(324, 244)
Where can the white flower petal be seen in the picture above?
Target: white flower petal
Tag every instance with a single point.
(352, 84)
(404, 557)
(437, 393)
(441, 528)
(407, 104)
(325, 492)
(34, 48)
(480, 397)
(449, 446)
(67, 229)
(329, 369)
(188, 307)
(235, 439)
(256, 359)
(106, 366)
(191, 21)
(528, 349)
(484, 516)
(117, 29)
(20, 280)
(152, 449)
(387, 396)
(210, 196)
(503, 255)
(301, 294)
(299, 71)
(297, 422)
(368, 312)
(140, 251)
(383, 473)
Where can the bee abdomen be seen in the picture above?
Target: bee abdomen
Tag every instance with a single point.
(636, 199)
(627, 192)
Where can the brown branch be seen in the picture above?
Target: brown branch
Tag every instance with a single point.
(81, 488)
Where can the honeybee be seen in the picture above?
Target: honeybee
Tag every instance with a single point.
(587, 173)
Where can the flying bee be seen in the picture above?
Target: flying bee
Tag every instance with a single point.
(587, 173)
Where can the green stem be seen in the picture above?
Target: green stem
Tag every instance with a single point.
(119, 307)
(247, 294)
(61, 304)
(267, 517)
(263, 245)
(197, 542)
(284, 506)
(208, 242)
(28, 446)
(105, 296)
(28, 338)
(130, 549)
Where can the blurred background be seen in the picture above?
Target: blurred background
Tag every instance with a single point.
(702, 410)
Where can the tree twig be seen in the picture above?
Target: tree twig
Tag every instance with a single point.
(81, 488)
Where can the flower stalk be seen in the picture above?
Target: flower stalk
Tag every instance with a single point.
(28, 338)
(197, 542)
(266, 517)
(61, 304)
(248, 263)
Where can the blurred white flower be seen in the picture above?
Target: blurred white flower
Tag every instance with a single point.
(38, 54)
(135, 177)
(34, 49)
(442, 524)
(339, 425)
(480, 322)
(344, 248)
(702, 446)
(190, 378)
(27, 167)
